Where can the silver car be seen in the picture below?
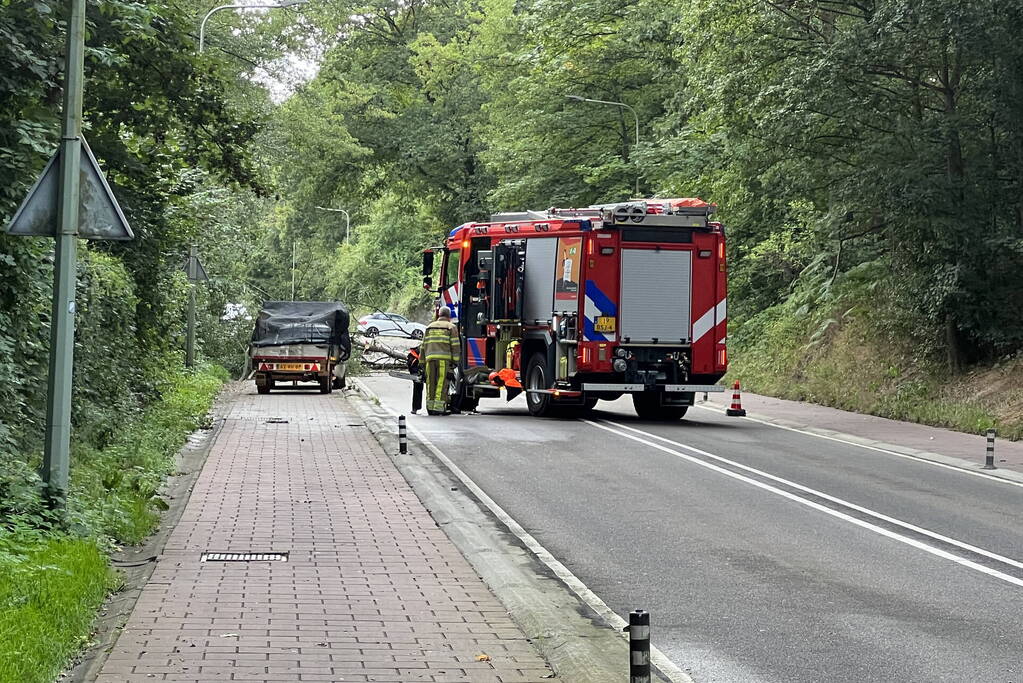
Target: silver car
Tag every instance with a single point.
(390, 324)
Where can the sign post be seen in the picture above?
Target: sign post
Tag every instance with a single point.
(71, 199)
(196, 273)
(57, 445)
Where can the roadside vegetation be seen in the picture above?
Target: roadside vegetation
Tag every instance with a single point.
(54, 567)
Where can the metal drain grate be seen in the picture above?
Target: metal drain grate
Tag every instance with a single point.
(244, 557)
(277, 421)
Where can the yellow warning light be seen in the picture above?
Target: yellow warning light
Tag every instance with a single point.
(465, 244)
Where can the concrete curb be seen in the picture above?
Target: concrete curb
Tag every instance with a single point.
(948, 460)
(573, 639)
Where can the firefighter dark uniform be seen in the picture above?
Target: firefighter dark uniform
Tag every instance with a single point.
(415, 368)
(441, 350)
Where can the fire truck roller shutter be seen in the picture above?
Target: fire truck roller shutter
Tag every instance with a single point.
(655, 302)
(541, 253)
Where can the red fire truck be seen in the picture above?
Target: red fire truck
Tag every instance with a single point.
(573, 306)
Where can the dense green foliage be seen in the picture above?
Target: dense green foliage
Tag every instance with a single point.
(53, 570)
(838, 139)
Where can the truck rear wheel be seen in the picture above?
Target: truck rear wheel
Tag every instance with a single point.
(263, 388)
(648, 407)
(538, 377)
(326, 385)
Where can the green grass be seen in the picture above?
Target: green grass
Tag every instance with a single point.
(50, 589)
(54, 571)
(848, 362)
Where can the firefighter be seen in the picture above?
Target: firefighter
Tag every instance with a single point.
(415, 368)
(441, 351)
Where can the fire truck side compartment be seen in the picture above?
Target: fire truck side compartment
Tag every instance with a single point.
(540, 260)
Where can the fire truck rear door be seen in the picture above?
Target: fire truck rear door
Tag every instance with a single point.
(655, 303)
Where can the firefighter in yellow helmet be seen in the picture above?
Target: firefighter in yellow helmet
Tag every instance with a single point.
(441, 350)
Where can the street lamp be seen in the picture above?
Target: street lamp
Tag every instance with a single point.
(277, 5)
(348, 221)
(614, 104)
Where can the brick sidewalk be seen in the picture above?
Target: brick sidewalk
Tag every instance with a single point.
(372, 591)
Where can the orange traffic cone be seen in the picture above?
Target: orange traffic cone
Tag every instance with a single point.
(736, 409)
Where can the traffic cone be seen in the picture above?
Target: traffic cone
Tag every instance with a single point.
(736, 409)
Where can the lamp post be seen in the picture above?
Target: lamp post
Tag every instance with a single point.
(348, 220)
(614, 104)
(276, 5)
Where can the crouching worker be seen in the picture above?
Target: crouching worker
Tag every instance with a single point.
(441, 351)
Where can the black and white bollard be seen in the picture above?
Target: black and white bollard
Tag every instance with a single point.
(639, 646)
(989, 460)
(402, 436)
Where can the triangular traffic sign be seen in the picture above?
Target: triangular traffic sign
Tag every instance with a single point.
(195, 273)
(99, 216)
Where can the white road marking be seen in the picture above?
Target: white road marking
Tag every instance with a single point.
(804, 501)
(667, 667)
(820, 494)
(908, 456)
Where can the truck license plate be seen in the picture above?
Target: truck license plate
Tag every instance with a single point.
(604, 323)
(290, 366)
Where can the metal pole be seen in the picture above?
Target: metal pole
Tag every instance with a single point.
(202, 24)
(402, 436)
(193, 274)
(57, 440)
(989, 459)
(639, 646)
(348, 220)
(615, 104)
(292, 270)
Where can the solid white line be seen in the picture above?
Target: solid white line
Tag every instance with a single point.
(816, 506)
(671, 670)
(840, 501)
(908, 456)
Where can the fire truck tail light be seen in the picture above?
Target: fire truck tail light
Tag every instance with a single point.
(705, 253)
(722, 356)
(721, 250)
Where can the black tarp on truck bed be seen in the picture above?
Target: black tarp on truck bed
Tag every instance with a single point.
(303, 322)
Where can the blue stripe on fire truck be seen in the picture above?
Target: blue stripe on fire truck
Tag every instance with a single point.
(475, 352)
(596, 304)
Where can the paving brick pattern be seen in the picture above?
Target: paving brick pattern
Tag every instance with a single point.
(372, 591)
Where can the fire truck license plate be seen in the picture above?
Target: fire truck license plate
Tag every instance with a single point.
(290, 366)
(604, 323)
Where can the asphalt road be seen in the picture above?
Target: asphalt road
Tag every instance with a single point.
(762, 554)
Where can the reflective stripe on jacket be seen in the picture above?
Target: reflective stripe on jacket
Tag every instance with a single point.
(441, 342)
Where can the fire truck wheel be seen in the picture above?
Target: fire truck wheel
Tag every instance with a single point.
(326, 386)
(263, 388)
(648, 407)
(537, 377)
(589, 404)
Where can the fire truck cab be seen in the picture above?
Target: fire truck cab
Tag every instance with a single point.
(573, 306)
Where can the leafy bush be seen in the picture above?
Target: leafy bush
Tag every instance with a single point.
(54, 568)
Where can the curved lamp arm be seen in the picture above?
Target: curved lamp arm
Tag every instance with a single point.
(276, 5)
